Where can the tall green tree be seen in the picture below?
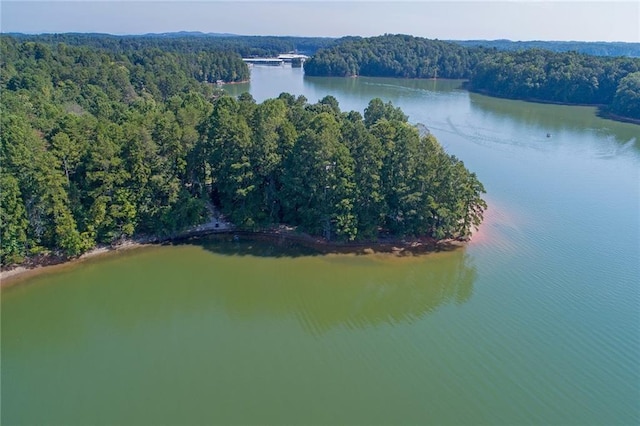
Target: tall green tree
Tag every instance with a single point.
(13, 221)
(42, 186)
(367, 153)
(318, 184)
(231, 147)
(626, 101)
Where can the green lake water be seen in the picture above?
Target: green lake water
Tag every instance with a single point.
(536, 321)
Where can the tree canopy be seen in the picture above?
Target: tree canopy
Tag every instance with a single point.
(185, 42)
(337, 174)
(393, 56)
(626, 101)
(595, 48)
(96, 146)
(100, 146)
(556, 77)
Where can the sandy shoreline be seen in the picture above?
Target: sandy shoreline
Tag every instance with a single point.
(43, 264)
(15, 274)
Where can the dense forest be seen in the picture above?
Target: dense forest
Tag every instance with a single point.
(595, 48)
(94, 146)
(274, 45)
(394, 56)
(186, 42)
(161, 72)
(97, 145)
(335, 174)
(626, 101)
(499, 68)
(532, 74)
(556, 77)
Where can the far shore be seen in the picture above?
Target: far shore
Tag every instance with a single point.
(224, 83)
(601, 109)
(611, 116)
(15, 274)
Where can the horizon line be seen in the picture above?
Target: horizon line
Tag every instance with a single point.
(187, 33)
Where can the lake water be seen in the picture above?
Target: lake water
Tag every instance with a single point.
(536, 321)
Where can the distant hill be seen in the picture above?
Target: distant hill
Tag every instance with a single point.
(269, 45)
(188, 34)
(595, 48)
(190, 41)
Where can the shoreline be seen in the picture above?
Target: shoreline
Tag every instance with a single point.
(224, 83)
(604, 114)
(601, 109)
(397, 247)
(491, 94)
(16, 274)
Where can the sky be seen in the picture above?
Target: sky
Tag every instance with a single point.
(445, 20)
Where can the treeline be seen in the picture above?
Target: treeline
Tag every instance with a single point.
(95, 147)
(162, 73)
(272, 45)
(533, 74)
(188, 42)
(626, 102)
(595, 48)
(394, 56)
(339, 175)
(548, 76)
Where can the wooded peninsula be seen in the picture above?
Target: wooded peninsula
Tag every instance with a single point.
(100, 144)
(106, 138)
